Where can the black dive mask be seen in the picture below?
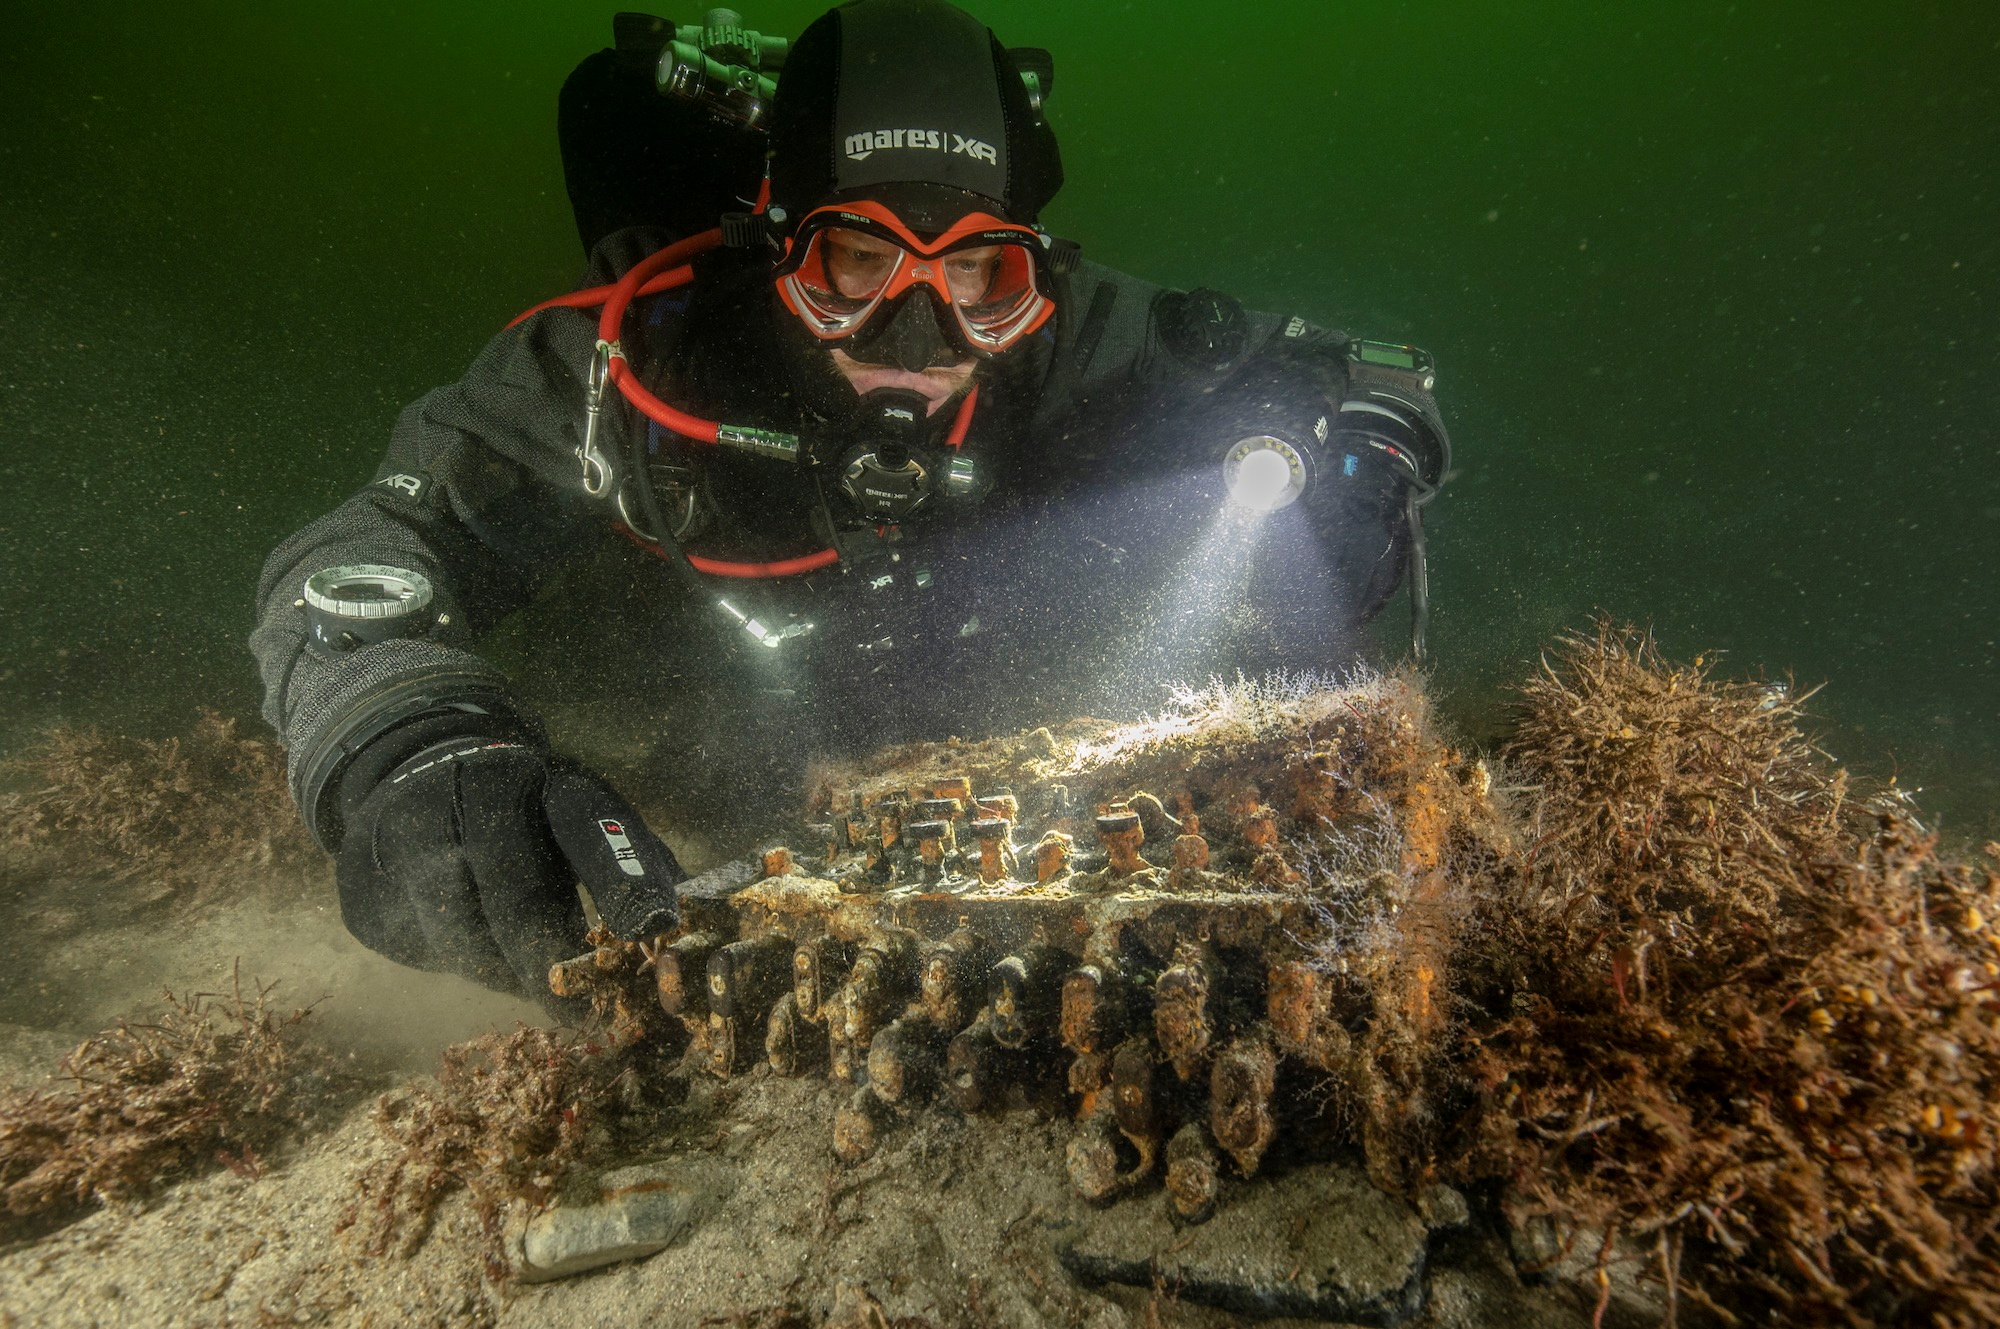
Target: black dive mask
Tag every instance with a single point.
(911, 338)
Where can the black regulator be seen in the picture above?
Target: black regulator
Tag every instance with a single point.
(893, 466)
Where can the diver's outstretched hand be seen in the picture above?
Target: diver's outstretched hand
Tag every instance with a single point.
(465, 859)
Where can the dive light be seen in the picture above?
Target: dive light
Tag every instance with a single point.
(1263, 472)
(1381, 418)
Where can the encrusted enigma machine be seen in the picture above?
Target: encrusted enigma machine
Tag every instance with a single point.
(1026, 923)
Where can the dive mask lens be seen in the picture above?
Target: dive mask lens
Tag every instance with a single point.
(1008, 301)
(840, 280)
(849, 263)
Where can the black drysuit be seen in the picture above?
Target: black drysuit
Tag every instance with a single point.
(1097, 568)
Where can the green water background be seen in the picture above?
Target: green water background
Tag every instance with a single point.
(1712, 289)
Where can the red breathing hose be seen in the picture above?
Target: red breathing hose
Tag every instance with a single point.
(788, 567)
(612, 320)
(663, 271)
(962, 421)
(657, 272)
(597, 295)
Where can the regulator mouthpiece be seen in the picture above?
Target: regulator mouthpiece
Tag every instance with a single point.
(1263, 473)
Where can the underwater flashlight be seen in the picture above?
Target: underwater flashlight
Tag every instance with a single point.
(360, 604)
(1263, 473)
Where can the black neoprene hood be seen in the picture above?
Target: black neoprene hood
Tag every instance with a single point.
(882, 94)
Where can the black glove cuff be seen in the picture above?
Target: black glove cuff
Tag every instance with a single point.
(419, 744)
(358, 751)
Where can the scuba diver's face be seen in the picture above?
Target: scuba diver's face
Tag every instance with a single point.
(859, 264)
(896, 308)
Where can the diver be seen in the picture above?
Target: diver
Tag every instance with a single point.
(883, 440)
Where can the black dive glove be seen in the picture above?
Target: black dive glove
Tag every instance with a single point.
(464, 858)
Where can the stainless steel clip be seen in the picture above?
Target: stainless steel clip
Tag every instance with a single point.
(597, 474)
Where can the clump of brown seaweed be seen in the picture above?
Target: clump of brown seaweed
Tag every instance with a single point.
(218, 1079)
(166, 811)
(1727, 1016)
(509, 1117)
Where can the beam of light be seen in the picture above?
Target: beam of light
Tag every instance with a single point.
(1209, 590)
(1246, 588)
